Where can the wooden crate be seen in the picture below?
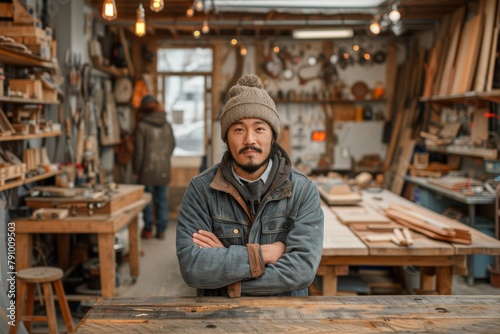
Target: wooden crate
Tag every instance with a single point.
(31, 88)
(11, 172)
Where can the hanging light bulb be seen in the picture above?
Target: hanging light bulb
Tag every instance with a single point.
(394, 15)
(375, 27)
(156, 5)
(109, 10)
(243, 50)
(205, 29)
(234, 41)
(198, 5)
(190, 12)
(276, 49)
(140, 23)
(196, 34)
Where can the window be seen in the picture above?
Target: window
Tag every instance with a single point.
(184, 78)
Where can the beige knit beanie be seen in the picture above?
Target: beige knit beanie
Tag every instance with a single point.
(249, 99)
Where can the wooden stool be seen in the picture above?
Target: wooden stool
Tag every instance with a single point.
(26, 280)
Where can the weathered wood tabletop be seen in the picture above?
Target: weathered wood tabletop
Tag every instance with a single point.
(340, 314)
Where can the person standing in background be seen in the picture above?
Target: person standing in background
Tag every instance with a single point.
(154, 144)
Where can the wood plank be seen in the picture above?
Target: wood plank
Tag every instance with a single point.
(494, 46)
(467, 54)
(358, 214)
(444, 41)
(338, 238)
(490, 9)
(455, 30)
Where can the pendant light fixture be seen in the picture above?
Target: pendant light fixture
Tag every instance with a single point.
(156, 5)
(109, 10)
(205, 28)
(375, 28)
(394, 14)
(140, 23)
(198, 5)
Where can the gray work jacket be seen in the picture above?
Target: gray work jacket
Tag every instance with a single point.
(291, 213)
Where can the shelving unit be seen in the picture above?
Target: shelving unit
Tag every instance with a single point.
(474, 98)
(19, 100)
(21, 59)
(17, 183)
(31, 136)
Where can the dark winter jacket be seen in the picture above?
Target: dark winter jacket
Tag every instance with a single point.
(154, 144)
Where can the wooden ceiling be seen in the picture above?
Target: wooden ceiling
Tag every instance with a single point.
(172, 22)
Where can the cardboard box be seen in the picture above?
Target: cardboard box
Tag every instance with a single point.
(49, 95)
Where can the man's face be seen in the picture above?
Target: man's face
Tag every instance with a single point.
(250, 142)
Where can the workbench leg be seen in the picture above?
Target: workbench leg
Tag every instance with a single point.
(63, 250)
(23, 250)
(106, 245)
(134, 242)
(444, 280)
(427, 275)
(330, 282)
(470, 258)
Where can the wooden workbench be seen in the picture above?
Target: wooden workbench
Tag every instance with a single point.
(342, 247)
(104, 225)
(340, 314)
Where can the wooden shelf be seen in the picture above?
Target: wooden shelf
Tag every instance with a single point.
(330, 101)
(23, 59)
(20, 100)
(469, 98)
(13, 184)
(31, 136)
(485, 153)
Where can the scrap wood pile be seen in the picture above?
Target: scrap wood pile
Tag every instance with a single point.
(427, 225)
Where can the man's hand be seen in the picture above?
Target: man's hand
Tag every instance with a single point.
(272, 252)
(205, 239)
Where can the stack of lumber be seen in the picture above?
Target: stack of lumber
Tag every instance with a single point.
(463, 57)
(432, 225)
(23, 32)
(456, 183)
(434, 169)
(401, 237)
(359, 215)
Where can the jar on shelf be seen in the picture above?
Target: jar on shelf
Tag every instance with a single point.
(378, 90)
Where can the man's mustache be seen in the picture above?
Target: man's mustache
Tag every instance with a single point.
(250, 148)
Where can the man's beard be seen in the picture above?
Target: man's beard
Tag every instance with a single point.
(250, 167)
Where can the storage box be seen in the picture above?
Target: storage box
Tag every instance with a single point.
(30, 88)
